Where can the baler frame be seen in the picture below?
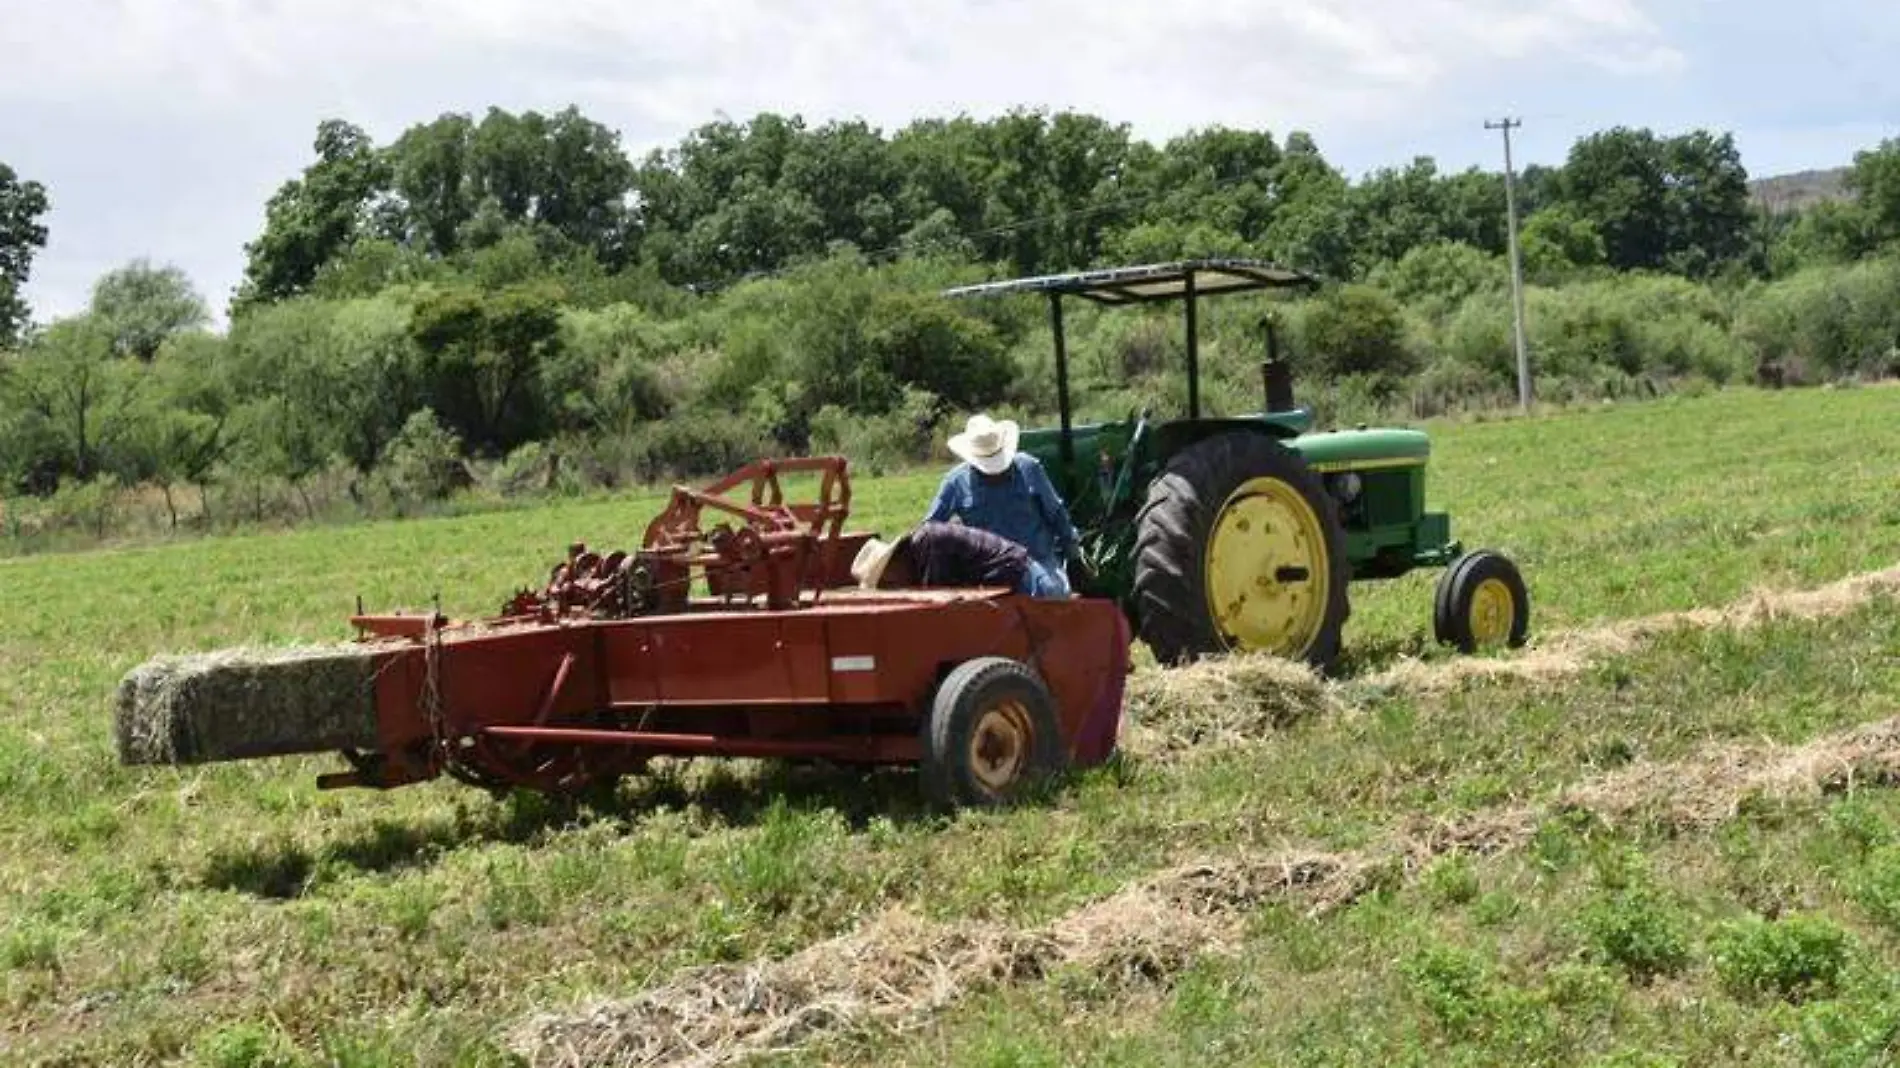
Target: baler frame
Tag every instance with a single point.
(615, 661)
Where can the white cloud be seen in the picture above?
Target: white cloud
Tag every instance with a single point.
(225, 94)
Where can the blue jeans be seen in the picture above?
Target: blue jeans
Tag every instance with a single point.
(1045, 582)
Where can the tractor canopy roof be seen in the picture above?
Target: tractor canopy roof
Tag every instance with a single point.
(1152, 282)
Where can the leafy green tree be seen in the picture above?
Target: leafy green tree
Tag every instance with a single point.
(587, 179)
(508, 161)
(1312, 215)
(71, 395)
(21, 237)
(281, 440)
(945, 166)
(294, 402)
(1557, 241)
(1394, 211)
(179, 428)
(1831, 232)
(1616, 180)
(1154, 242)
(1706, 201)
(373, 375)
(1875, 182)
(311, 220)
(1214, 180)
(1473, 208)
(429, 172)
(936, 235)
(424, 460)
(143, 305)
(927, 344)
(481, 360)
(1678, 203)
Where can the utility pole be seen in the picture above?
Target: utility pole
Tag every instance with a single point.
(1517, 270)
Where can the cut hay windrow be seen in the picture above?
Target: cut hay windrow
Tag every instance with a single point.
(1219, 702)
(239, 703)
(1569, 653)
(897, 970)
(1244, 698)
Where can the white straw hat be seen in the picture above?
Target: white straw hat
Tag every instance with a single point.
(987, 444)
(871, 560)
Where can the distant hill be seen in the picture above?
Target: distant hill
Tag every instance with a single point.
(1788, 192)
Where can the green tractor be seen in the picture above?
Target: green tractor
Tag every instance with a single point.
(1243, 532)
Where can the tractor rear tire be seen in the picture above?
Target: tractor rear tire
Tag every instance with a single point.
(991, 734)
(1304, 581)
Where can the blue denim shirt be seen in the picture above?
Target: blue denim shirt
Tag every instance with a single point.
(1026, 509)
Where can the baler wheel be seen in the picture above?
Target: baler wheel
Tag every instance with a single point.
(1481, 603)
(991, 732)
(1240, 547)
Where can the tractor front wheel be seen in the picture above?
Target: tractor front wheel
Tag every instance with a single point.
(1481, 603)
(1240, 547)
(991, 733)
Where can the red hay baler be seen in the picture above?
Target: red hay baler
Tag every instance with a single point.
(742, 641)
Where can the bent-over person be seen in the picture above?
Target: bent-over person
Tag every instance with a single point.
(953, 555)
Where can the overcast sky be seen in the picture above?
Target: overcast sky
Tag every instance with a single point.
(160, 127)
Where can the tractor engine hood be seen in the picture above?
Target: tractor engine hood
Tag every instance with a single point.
(1335, 450)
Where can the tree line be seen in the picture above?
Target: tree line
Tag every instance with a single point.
(516, 291)
(1029, 191)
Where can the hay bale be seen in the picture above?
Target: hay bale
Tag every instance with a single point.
(235, 704)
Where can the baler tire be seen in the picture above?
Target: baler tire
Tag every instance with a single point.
(973, 693)
(1175, 526)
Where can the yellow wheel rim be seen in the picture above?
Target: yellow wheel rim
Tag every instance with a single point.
(999, 747)
(1267, 574)
(1493, 611)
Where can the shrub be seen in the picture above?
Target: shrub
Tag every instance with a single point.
(1639, 931)
(1826, 322)
(533, 469)
(1438, 277)
(925, 343)
(87, 505)
(1453, 984)
(248, 1045)
(1794, 958)
(880, 443)
(1877, 887)
(691, 447)
(1450, 385)
(424, 461)
(1452, 881)
(1357, 329)
(1132, 345)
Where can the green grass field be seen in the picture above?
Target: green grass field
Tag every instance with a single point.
(233, 915)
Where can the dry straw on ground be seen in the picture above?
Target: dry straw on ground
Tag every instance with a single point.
(1569, 653)
(240, 703)
(897, 970)
(1714, 786)
(1220, 702)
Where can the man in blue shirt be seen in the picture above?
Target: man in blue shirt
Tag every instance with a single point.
(1006, 492)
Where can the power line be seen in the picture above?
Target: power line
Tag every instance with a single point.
(1517, 270)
